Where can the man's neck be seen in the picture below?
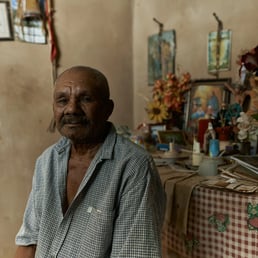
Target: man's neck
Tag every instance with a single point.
(81, 151)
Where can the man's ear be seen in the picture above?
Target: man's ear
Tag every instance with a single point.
(109, 108)
(52, 126)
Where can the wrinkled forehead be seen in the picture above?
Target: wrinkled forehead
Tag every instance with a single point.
(82, 79)
(75, 86)
(74, 78)
(61, 84)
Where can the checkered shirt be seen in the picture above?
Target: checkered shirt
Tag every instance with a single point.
(117, 212)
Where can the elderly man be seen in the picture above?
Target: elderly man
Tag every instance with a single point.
(94, 193)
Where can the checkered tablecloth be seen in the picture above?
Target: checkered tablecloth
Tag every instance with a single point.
(221, 224)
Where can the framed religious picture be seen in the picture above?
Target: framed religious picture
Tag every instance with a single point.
(6, 31)
(222, 46)
(205, 100)
(161, 55)
(154, 129)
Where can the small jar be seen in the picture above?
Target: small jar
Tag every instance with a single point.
(208, 166)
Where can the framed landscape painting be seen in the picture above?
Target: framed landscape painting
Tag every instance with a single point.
(169, 136)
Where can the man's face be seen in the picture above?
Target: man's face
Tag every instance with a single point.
(79, 111)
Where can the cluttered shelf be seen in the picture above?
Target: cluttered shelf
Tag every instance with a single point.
(211, 216)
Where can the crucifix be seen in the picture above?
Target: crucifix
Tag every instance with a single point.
(161, 26)
(220, 28)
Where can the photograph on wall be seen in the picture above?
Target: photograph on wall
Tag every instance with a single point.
(205, 101)
(161, 55)
(224, 50)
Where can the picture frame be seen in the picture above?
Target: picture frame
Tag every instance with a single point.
(204, 100)
(29, 24)
(154, 129)
(6, 30)
(168, 136)
(161, 55)
(225, 51)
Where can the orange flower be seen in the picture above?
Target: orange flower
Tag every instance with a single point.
(170, 92)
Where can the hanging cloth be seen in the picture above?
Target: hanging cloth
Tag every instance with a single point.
(29, 25)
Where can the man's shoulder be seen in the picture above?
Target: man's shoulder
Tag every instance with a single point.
(56, 147)
(122, 144)
(126, 145)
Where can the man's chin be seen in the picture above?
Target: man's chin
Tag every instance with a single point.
(73, 132)
(76, 138)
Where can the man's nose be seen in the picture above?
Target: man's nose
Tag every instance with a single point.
(72, 106)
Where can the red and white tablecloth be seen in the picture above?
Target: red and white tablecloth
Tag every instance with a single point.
(221, 224)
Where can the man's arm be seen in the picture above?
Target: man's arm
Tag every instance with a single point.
(137, 229)
(25, 251)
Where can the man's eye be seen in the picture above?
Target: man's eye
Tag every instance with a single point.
(86, 99)
(61, 101)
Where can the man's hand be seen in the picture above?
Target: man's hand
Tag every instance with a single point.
(25, 251)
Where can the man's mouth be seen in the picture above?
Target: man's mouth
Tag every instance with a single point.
(74, 121)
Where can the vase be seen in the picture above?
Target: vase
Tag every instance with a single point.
(224, 133)
(244, 147)
(253, 144)
(175, 121)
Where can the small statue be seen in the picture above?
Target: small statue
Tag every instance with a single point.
(238, 93)
(250, 105)
(220, 120)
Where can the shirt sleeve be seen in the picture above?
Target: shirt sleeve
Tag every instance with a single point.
(137, 230)
(28, 233)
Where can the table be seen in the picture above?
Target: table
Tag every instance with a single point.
(221, 224)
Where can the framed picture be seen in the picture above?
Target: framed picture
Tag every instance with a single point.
(154, 129)
(161, 55)
(29, 22)
(224, 51)
(205, 100)
(168, 136)
(6, 31)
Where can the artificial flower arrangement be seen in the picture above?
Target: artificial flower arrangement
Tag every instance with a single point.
(249, 58)
(247, 127)
(168, 97)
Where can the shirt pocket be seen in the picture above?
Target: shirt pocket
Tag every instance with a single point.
(98, 235)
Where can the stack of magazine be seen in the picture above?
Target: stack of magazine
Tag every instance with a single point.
(247, 161)
(244, 167)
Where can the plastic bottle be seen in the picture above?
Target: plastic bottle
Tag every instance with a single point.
(196, 155)
(209, 134)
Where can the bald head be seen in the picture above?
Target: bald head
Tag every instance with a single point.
(86, 74)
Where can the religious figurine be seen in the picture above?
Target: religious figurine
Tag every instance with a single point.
(238, 93)
(250, 104)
